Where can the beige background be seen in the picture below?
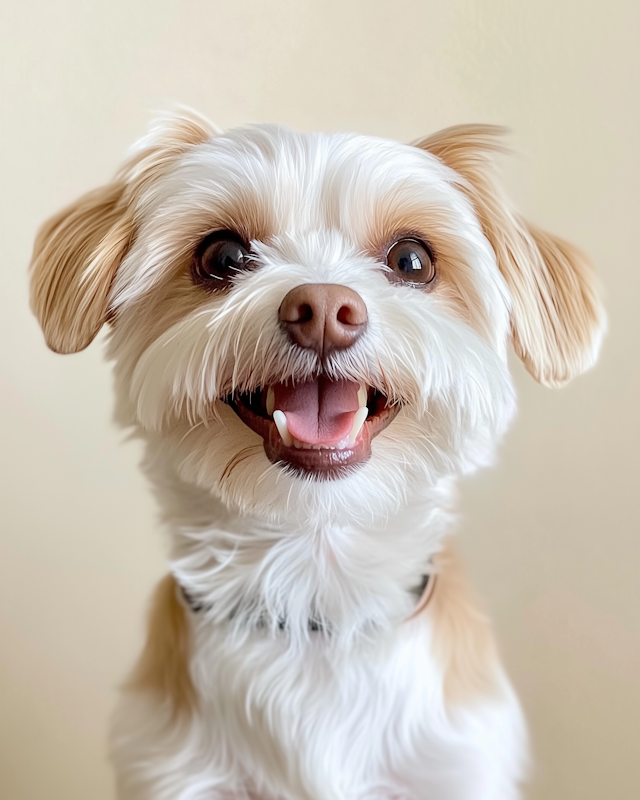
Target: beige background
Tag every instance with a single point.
(551, 534)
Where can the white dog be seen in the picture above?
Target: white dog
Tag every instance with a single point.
(310, 336)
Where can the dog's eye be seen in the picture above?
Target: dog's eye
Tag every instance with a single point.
(218, 258)
(411, 261)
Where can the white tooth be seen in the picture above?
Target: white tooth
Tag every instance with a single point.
(358, 422)
(362, 396)
(271, 401)
(281, 424)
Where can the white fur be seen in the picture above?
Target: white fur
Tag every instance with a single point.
(363, 724)
(288, 714)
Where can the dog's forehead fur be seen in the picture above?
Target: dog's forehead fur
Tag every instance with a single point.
(301, 181)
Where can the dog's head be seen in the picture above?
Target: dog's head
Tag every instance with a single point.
(311, 324)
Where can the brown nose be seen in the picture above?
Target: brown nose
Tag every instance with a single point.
(323, 316)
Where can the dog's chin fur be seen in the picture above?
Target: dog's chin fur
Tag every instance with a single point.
(241, 698)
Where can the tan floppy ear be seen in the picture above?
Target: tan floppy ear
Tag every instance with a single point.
(78, 251)
(75, 258)
(557, 319)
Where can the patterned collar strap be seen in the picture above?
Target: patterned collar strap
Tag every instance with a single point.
(428, 587)
(424, 592)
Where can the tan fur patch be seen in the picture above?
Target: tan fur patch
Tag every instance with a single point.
(75, 257)
(557, 319)
(462, 635)
(163, 667)
(392, 220)
(169, 138)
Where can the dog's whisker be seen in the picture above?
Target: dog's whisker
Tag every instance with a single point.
(190, 431)
(237, 459)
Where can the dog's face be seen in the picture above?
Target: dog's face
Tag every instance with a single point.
(313, 326)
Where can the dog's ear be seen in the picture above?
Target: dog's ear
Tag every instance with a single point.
(77, 252)
(75, 257)
(557, 320)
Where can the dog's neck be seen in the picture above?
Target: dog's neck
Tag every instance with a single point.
(352, 578)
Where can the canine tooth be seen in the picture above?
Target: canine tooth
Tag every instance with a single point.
(271, 401)
(362, 396)
(358, 422)
(281, 424)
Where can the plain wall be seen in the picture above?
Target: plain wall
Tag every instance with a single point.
(551, 534)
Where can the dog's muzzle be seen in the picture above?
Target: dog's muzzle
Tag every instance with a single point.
(321, 426)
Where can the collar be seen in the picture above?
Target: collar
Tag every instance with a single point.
(422, 592)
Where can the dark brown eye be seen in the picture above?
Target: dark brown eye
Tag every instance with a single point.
(411, 261)
(220, 257)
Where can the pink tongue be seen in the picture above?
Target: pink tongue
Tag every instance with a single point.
(320, 411)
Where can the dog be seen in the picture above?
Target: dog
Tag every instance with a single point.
(309, 334)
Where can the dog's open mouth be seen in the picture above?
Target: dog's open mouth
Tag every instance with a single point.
(320, 426)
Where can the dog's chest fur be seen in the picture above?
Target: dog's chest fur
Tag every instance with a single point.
(316, 721)
(361, 709)
(373, 723)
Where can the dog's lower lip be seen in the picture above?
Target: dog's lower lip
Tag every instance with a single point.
(317, 461)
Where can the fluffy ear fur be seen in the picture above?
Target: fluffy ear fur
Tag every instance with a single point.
(557, 320)
(75, 258)
(78, 251)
